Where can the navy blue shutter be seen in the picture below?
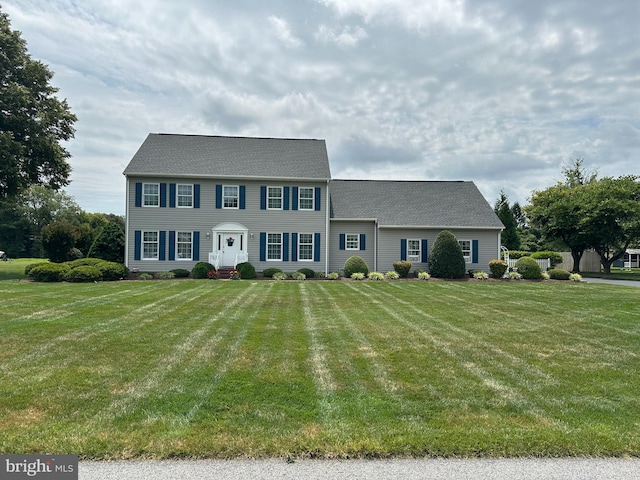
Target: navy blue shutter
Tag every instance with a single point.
(343, 241)
(316, 247)
(285, 198)
(317, 199)
(263, 246)
(196, 195)
(243, 195)
(294, 247)
(137, 245)
(294, 198)
(363, 243)
(162, 245)
(196, 246)
(474, 251)
(285, 247)
(403, 249)
(424, 250)
(218, 196)
(263, 197)
(138, 195)
(163, 195)
(172, 244)
(172, 195)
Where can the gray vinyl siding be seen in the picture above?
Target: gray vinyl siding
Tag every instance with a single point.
(206, 217)
(338, 257)
(389, 245)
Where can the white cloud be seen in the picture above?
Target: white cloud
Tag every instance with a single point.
(346, 38)
(283, 32)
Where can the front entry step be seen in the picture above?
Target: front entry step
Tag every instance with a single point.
(224, 273)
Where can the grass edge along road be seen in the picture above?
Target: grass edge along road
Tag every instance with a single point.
(202, 369)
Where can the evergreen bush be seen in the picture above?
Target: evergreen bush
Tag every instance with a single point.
(528, 268)
(270, 272)
(307, 272)
(446, 259)
(498, 268)
(112, 271)
(247, 271)
(200, 270)
(355, 264)
(49, 272)
(559, 274)
(180, 272)
(402, 267)
(83, 274)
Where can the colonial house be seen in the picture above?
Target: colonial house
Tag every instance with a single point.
(272, 202)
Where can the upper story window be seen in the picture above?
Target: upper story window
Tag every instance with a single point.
(274, 198)
(151, 194)
(465, 245)
(414, 251)
(230, 196)
(150, 245)
(185, 195)
(305, 198)
(352, 241)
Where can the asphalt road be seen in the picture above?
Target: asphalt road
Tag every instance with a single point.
(626, 283)
(432, 469)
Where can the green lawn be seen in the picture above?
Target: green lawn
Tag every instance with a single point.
(14, 269)
(165, 369)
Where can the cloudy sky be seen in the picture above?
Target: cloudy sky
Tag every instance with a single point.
(500, 92)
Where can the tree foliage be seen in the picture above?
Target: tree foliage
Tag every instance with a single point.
(33, 121)
(58, 238)
(109, 243)
(509, 237)
(446, 259)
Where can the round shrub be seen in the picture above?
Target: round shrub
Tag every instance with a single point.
(446, 260)
(270, 272)
(200, 270)
(402, 267)
(376, 276)
(112, 271)
(84, 274)
(164, 275)
(180, 272)
(247, 271)
(498, 268)
(528, 268)
(84, 261)
(355, 264)
(308, 273)
(49, 272)
(145, 276)
(31, 266)
(559, 274)
(333, 276)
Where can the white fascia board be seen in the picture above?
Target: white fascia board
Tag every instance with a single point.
(440, 227)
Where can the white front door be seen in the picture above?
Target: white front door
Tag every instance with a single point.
(230, 243)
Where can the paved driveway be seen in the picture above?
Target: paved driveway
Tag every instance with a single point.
(626, 283)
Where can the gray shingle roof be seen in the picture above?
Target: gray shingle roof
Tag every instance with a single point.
(216, 156)
(412, 203)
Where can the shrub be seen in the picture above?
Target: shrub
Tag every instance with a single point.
(575, 277)
(84, 261)
(446, 260)
(75, 254)
(299, 275)
(528, 268)
(308, 273)
(402, 267)
(558, 274)
(376, 276)
(164, 275)
(392, 275)
(545, 276)
(270, 272)
(480, 275)
(247, 271)
(424, 276)
(355, 264)
(555, 257)
(498, 268)
(333, 276)
(357, 276)
(112, 271)
(200, 270)
(180, 272)
(212, 274)
(279, 275)
(83, 274)
(145, 276)
(49, 272)
(31, 266)
(515, 276)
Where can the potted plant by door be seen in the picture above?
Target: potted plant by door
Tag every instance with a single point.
(212, 274)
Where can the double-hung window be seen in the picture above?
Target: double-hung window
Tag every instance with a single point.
(274, 246)
(352, 241)
(150, 245)
(414, 250)
(185, 195)
(465, 245)
(184, 245)
(151, 194)
(230, 197)
(305, 198)
(305, 246)
(274, 198)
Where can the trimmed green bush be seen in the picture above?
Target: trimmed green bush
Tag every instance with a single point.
(355, 264)
(145, 276)
(498, 268)
(446, 259)
(307, 272)
(529, 268)
(180, 272)
(164, 275)
(247, 271)
(270, 272)
(49, 272)
(558, 274)
(333, 276)
(84, 261)
(83, 274)
(31, 266)
(402, 267)
(112, 271)
(200, 270)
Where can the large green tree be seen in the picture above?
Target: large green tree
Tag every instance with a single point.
(509, 237)
(33, 121)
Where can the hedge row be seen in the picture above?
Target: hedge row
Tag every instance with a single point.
(82, 270)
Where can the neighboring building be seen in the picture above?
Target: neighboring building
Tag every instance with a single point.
(272, 202)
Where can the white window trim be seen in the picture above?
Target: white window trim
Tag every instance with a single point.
(281, 197)
(267, 247)
(467, 259)
(178, 250)
(144, 196)
(178, 195)
(143, 242)
(236, 196)
(346, 241)
(414, 258)
(312, 247)
(313, 198)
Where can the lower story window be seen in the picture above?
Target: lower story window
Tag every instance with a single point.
(414, 250)
(150, 245)
(352, 241)
(465, 245)
(305, 246)
(274, 246)
(184, 245)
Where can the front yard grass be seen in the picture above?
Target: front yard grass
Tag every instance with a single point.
(173, 369)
